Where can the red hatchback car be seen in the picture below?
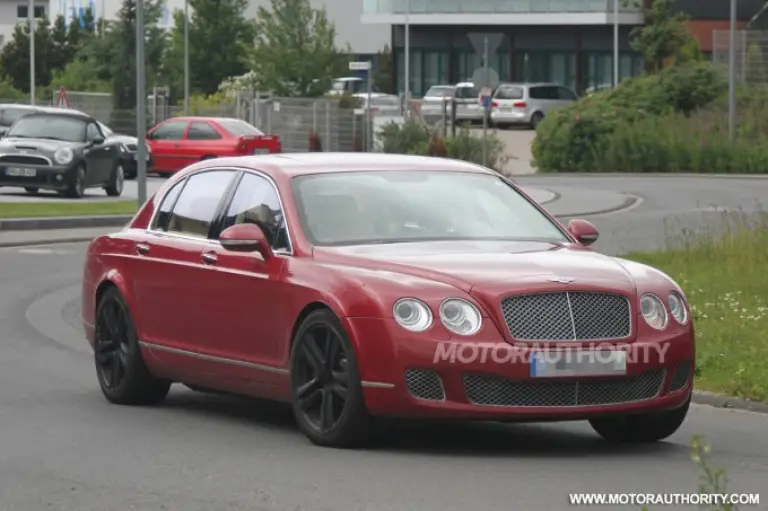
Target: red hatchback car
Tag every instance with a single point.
(358, 286)
(181, 141)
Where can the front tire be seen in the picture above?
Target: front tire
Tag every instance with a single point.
(116, 181)
(120, 368)
(641, 428)
(76, 189)
(327, 395)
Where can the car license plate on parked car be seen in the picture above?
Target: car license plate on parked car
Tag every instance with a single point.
(20, 172)
(557, 364)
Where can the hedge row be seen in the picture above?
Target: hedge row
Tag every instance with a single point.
(673, 121)
(412, 137)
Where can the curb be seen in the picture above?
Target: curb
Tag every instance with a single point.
(630, 201)
(66, 222)
(555, 197)
(734, 403)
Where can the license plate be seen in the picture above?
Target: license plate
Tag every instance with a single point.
(558, 364)
(20, 172)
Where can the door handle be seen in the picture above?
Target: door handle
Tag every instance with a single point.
(142, 248)
(209, 258)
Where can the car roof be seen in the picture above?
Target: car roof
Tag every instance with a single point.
(68, 112)
(297, 164)
(195, 118)
(465, 84)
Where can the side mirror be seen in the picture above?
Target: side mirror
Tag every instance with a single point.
(584, 232)
(246, 238)
(97, 140)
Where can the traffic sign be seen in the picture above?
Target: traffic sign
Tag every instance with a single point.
(359, 66)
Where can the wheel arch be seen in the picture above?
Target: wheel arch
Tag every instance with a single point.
(113, 279)
(305, 312)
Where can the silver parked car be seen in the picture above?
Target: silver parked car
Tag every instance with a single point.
(468, 107)
(433, 100)
(383, 105)
(527, 103)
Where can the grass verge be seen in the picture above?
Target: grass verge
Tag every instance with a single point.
(74, 208)
(724, 273)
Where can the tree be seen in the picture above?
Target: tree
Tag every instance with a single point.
(219, 38)
(14, 57)
(663, 37)
(295, 53)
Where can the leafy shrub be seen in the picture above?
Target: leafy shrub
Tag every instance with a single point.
(602, 132)
(411, 137)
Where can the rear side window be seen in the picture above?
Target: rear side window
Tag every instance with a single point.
(240, 128)
(202, 131)
(566, 93)
(467, 93)
(544, 92)
(509, 92)
(164, 212)
(196, 207)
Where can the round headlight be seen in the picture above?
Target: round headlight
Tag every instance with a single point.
(63, 156)
(460, 316)
(412, 315)
(654, 312)
(677, 308)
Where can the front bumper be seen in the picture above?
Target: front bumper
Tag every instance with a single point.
(407, 375)
(47, 177)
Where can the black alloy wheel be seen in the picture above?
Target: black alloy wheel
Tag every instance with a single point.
(327, 395)
(114, 187)
(122, 374)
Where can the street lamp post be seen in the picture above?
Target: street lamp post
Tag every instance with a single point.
(732, 73)
(31, 16)
(615, 43)
(407, 53)
(141, 105)
(186, 57)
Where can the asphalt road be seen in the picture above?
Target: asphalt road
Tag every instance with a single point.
(63, 447)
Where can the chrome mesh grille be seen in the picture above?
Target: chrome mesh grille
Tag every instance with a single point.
(494, 391)
(680, 377)
(567, 316)
(423, 384)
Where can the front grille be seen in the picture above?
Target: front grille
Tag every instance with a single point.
(423, 384)
(17, 159)
(567, 316)
(680, 377)
(494, 391)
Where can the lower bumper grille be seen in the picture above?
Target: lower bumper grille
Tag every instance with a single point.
(680, 377)
(493, 391)
(424, 384)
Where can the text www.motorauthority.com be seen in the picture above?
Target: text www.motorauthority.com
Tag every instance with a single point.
(658, 499)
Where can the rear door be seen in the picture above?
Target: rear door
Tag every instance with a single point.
(202, 140)
(170, 270)
(165, 141)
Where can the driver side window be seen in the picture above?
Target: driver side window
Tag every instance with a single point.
(92, 132)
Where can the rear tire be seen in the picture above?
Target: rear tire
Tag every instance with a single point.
(641, 428)
(116, 181)
(123, 376)
(536, 118)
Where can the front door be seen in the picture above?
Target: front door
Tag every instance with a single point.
(99, 155)
(248, 293)
(165, 142)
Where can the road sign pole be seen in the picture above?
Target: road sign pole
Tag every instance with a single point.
(732, 73)
(485, 114)
(407, 63)
(186, 57)
(32, 77)
(368, 117)
(141, 106)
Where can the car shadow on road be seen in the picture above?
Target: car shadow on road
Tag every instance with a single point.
(489, 439)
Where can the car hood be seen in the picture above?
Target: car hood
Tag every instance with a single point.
(487, 266)
(34, 145)
(125, 139)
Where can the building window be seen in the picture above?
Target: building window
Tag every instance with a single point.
(428, 68)
(469, 63)
(22, 11)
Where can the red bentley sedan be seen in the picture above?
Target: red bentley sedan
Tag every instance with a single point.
(181, 141)
(359, 286)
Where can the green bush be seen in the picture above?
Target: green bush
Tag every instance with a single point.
(412, 137)
(650, 123)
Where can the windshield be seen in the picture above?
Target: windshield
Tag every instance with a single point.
(53, 127)
(467, 93)
(239, 128)
(439, 92)
(107, 132)
(509, 92)
(361, 208)
(9, 115)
